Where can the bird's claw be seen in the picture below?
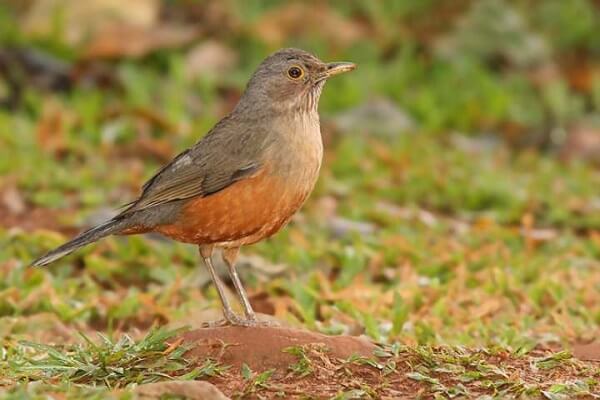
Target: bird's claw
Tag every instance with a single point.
(215, 324)
(232, 319)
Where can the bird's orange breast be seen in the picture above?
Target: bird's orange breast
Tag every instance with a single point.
(243, 213)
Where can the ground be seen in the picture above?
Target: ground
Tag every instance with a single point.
(455, 224)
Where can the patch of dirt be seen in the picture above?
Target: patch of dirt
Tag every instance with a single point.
(263, 347)
(587, 351)
(281, 362)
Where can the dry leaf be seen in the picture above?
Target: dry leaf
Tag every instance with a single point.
(11, 198)
(133, 41)
(51, 127)
(486, 309)
(583, 143)
(83, 19)
(296, 19)
(209, 58)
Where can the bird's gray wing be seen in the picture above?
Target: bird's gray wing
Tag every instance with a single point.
(214, 163)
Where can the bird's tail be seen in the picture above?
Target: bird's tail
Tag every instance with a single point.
(84, 238)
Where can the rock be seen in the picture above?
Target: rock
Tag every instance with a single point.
(379, 116)
(263, 347)
(483, 143)
(191, 390)
(341, 227)
(494, 30)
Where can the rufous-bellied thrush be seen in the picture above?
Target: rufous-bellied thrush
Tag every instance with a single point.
(241, 182)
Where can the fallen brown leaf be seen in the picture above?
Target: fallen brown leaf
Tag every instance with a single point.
(51, 127)
(582, 143)
(209, 58)
(296, 19)
(172, 346)
(119, 41)
(12, 199)
(84, 19)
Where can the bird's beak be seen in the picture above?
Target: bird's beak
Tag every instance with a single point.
(337, 68)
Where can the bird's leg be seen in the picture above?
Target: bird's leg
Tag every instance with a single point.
(230, 316)
(230, 256)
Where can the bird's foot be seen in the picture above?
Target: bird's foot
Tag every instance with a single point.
(231, 322)
(252, 321)
(236, 320)
(215, 324)
(231, 319)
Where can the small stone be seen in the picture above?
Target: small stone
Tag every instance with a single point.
(379, 116)
(191, 390)
(341, 227)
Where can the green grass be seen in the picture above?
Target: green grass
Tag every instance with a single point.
(113, 363)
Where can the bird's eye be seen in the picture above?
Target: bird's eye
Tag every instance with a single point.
(295, 72)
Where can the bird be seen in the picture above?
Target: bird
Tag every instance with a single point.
(241, 182)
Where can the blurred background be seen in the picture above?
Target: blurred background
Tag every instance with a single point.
(459, 200)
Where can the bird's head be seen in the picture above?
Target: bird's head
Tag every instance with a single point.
(291, 79)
